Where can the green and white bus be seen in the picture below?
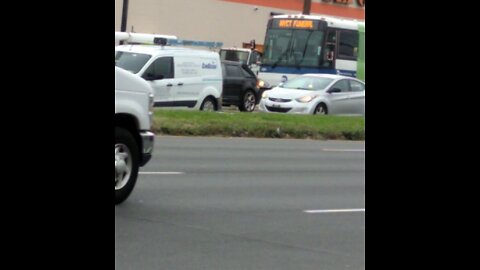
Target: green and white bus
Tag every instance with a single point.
(300, 44)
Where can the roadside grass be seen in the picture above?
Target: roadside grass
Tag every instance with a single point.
(258, 125)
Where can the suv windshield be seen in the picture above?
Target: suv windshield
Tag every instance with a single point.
(132, 62)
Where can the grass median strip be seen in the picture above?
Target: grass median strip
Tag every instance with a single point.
(258, 125)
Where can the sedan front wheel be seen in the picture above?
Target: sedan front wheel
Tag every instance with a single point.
(321, 109)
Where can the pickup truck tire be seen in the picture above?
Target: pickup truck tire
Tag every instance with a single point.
(126, 164)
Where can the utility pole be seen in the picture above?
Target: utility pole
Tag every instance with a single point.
(307, 5)
(123, 26)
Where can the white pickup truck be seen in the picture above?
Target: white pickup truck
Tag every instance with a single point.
(133, 139)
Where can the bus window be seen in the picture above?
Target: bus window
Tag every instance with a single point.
(312, 50)
(330, 50)
(332, 36)
(348, 45)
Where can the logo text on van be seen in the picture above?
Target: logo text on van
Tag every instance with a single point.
(212, 65)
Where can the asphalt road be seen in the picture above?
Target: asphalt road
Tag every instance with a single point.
(236, 203)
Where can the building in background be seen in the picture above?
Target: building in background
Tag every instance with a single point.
(232, 22)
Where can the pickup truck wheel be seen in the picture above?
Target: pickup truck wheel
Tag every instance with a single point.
(126, 164)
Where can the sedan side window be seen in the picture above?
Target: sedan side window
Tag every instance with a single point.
(343, 85)
(357, 86)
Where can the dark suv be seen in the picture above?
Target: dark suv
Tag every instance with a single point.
(239, 86)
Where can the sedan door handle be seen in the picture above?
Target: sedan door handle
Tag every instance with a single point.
(180, 83)
(169, 84)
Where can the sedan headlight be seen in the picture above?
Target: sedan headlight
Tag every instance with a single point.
(306, 99)
(265, 95)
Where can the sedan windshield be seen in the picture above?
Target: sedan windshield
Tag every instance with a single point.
(307, 83)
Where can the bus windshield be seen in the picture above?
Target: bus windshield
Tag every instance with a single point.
(293, 47)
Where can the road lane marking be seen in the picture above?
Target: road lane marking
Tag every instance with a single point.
(343, 150)
(161, 173)
(334, 211)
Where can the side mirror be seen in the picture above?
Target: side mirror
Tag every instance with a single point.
(334, 90)
(330, 56)
(152, 77)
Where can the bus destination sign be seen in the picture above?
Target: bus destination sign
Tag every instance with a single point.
(296, 24)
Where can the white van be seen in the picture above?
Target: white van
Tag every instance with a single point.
(180, 77)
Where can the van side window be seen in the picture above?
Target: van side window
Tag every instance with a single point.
(161, 68)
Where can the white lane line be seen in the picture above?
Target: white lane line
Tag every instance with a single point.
(334, 211)
(161, 173)
(343, 150)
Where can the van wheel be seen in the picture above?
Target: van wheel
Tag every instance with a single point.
(208, 105)
(126, 164)
(249, 102)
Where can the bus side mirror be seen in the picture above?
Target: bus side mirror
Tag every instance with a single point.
(330, 56)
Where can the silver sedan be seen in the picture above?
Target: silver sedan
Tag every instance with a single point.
(316, 94)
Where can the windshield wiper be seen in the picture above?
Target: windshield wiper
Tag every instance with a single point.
(304, 50)
(285, 53)
(280, 58)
